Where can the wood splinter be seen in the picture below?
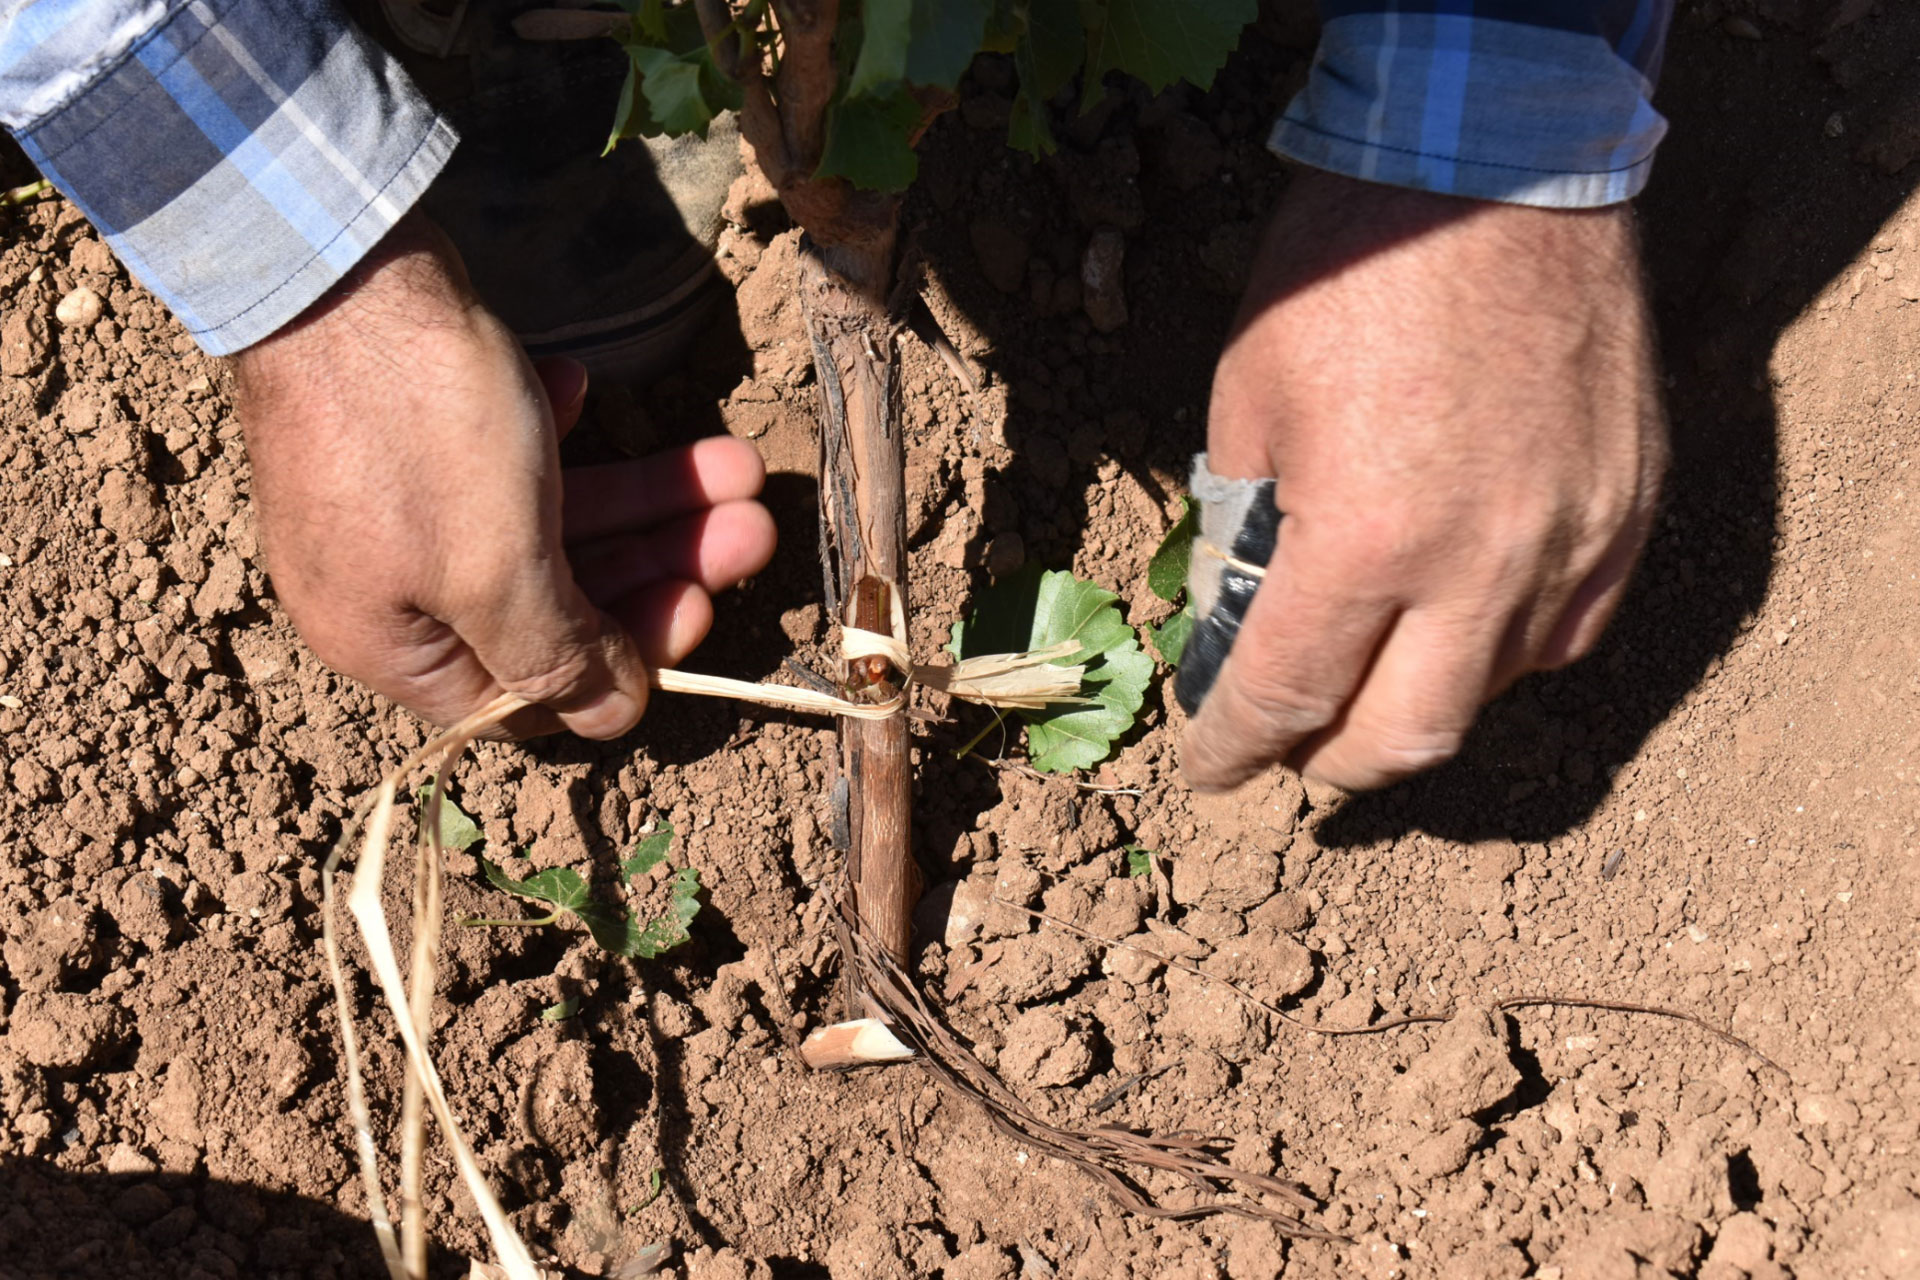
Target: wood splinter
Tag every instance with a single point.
(846, 1045)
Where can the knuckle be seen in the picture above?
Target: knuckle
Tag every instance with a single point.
(555, 680)
(1279, 696)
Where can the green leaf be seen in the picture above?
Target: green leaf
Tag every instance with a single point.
(663, 933)
(885, 30)
(1171, 636)
(562, 1011)
(923, 42)
(1161, 41)
(1139, 860)
(869, 141)
(672, 85)
(648, 854)
(946, 36)
(1006, 27)
(1053, 48)
(653, 1191)
(1033, 610)
(1082, 737)
(630, 118)
(650, 19)
(556, 886)
(683, 91)
(1167, 571)
(613, 928)
(457, 831)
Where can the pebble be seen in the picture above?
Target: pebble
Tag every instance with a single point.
(1102, 283)
(1006, 554)
(124, 1158)
(80, 309)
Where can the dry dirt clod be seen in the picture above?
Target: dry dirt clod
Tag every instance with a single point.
(1467, 1071)
(64, 943)
(1881, 1235)
(23, 342)
(65, 1031)
(1001, 252)
(1690, 1180)
(130, 507)
(1045, 1049)
(1630, 1244)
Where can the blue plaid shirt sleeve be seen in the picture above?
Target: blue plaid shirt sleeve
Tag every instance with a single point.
(239, 156)
(1538, 102)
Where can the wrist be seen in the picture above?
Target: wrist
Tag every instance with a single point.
(412, 277)
(411, 284)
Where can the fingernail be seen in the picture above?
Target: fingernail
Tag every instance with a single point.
(578, 374)
(607, 716)
(566, 382)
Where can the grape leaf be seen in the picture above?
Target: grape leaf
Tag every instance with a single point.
(1167, 571)
(946, 35)
(869, 141)
(1053, 47)
(1033, 610)
(886, 27)
(650, 19)
(648, 854)
(558, 887)
(613, 928)
(922, 42)
(1160, 42)
(670, 930)
(457, 831)
(1171, 636)
(672, 84)
(683, 91)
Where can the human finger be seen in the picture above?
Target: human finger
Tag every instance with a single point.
(715, 548)
(540, 637)
(565, 382)
(667, 620)
(1307, 641)
(618, 497)
(1415, 705)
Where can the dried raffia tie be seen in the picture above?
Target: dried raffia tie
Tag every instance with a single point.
(1207, 548)
(1019, 680)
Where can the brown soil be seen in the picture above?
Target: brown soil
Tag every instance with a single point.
(1716, 812)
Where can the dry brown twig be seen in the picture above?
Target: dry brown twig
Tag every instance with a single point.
(1111, 1155)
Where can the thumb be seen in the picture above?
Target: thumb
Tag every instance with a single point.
(565, 382)
(547, 643)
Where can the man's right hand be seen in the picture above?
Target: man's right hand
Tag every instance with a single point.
(421, 534)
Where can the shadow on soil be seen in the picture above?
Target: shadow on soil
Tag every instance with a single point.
(96, 1226)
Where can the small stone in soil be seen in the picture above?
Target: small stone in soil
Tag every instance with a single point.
(1102, 280)
(80, 309)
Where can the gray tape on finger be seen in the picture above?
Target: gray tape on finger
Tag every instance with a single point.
(1239, 526)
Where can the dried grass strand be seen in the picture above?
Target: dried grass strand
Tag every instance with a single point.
(1029, 679)
(363, 902)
